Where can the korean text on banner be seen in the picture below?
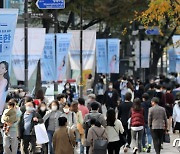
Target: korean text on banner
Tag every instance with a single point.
(48, 59)
(145, 54)
(63, 45)
(113, 55)
(8, 20)
(176, 39)
(101, 56)
(89, 43)
(36, 40)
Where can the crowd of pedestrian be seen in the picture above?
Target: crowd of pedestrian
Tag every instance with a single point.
(138, 114)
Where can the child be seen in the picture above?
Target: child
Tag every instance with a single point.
(9, 117)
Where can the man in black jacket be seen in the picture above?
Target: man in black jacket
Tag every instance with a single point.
(26, 126)
(124, 114)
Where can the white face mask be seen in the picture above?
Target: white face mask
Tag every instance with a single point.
(64, 100)
(43, 108)
(67, 87)
(54, 108)
(110, 87)
(66, 110)
(29, 109)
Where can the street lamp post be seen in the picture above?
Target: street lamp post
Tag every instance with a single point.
(26, 44)
(81, 55)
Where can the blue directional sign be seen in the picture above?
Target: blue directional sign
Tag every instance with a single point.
(154, 31)
(50, 4)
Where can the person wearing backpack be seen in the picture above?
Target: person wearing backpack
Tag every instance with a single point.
(87, 120)
(114, 127)
(97, 138)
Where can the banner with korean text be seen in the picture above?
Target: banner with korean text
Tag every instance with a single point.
(36, 40)
(63, 47)
(8, 20)
(48, 59)
(101, 56)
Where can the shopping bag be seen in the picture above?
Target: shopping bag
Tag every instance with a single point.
(166, 138)
(41, 134)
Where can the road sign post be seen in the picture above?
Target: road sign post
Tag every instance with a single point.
(154, 31)
(50, 4)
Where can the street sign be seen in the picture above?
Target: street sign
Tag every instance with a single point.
(50, 4)
(154, 31)
(41, 15)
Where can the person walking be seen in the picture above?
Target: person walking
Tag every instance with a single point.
(114, 127)
(123, 115)
(26, 126)
(10, 139)
(63, 140)
(52, 123)
(176, 113)
(146, 104)
(123, 88)
(111, 97)
(82, 107)
(137, 125)
(96, 130)
(157, 121)
(99, 91)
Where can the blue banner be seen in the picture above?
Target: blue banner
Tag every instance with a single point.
(172, 60)
(101, 56)
(8, 20)
(113, 55)
(62, 45)
(48, 59)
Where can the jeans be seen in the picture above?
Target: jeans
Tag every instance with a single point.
(26, 141)
(127, 133)
(122, 98)
(149, 137)
(10, 141)
(135, 142)
(157, 135)
(50, 147)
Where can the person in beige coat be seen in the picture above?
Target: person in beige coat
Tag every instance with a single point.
(64, 138)
(96, 128)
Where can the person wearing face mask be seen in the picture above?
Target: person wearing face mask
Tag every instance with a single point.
(68, 92)
(62, 101)
(111, 97)
(42, 109)
(71, 117)
(52, 123)
(28, 120)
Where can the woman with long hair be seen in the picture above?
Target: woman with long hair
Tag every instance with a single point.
(4, 82)
(114, 127)
(137, 125)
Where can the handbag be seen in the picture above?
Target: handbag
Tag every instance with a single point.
(166, 138)
(122, 138)
(74, 148)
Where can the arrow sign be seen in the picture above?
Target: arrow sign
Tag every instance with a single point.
(154, 31)
(50, 4)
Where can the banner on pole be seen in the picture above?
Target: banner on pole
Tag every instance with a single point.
(145, 54)
(113, 55)
(36, 40)
(89, 43)
(48, 59)
(101, 56)
(8, 20)
(62, 46)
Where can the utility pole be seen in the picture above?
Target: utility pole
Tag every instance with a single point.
(26, 43)
(55, 32)
(81, 54)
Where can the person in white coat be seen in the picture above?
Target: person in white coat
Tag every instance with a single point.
(176, 113)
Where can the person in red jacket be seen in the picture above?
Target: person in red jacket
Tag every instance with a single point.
(137, 125)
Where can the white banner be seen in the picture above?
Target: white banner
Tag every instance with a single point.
(145, 53)
(89, 43)
(176, 39)
(36, 40)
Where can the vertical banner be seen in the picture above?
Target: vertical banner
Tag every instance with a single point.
(48, 59)
(36, 40)
(145, 54)
(113, 55)
(8, 20)
(101, 56)
(63, 44)
(172, 60)
(176, 39)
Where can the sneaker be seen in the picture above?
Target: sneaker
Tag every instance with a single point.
(125, 149)
(144, 150)
(135, 150)
(149, 148)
